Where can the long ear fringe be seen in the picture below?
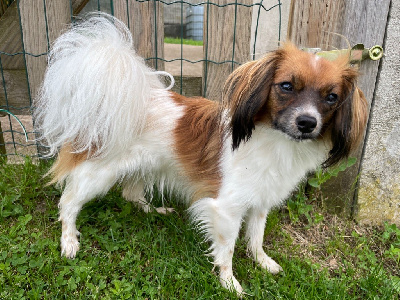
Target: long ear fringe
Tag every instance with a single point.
(360, 118)
(246, 92)
(349, 128)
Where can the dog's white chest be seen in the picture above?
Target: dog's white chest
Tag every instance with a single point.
(265, 169)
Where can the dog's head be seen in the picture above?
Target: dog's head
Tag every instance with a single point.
(302, 95)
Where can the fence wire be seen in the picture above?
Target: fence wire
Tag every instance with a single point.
(16, 143)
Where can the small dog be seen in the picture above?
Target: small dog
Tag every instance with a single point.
(111, 120)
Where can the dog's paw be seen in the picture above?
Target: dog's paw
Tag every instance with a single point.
(230, 283)
(164, 210)
(146, 208)
(269, 264)
(69, 244)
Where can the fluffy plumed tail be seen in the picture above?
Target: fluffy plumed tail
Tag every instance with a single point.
(96, 89)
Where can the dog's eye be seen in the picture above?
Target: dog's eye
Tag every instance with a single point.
(286, 87)
(332, 98)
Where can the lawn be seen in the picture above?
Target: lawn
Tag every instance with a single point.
(126, 254)
(170, 40)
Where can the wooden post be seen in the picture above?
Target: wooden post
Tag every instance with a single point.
(58, 15)
(191, 86)
(314, 23)
(78, 5)
(10, 39)
(227, 32)
(145, 20)
(33, 24)
(14, 89)
(40, 26)
(378, 194)
(17, 92)
(38, 36)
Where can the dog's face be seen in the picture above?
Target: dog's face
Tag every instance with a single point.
(302, 95)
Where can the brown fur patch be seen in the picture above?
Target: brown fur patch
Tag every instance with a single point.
(246, 92)
(304, 69)
(360, 117)
(198, 144)
(66, 161)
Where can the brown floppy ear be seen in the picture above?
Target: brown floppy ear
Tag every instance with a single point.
(360, 118)
(349, 125)
(245, 93)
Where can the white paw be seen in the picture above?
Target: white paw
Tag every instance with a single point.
(164, 210)
(269, 264)
(230, 283)
(146, 208)
(69, 244)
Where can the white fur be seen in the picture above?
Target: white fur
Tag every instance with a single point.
(145, 161)
(94, 77)
(99, 95)
(315, 61)
(257, 176)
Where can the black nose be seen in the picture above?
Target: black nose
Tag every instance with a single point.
(306, 124)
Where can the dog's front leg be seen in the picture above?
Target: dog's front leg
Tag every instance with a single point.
(220, 221)
(255, 225)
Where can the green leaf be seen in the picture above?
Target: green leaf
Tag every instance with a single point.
(314, 182)
(396, 283)
(351, 161)
(342, 167)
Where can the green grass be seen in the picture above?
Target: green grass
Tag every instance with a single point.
(169, 40)
(126, 254)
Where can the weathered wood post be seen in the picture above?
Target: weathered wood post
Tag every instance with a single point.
(315, 23)
(145, 20)
(14, 89)
(379, 188)
(41, 23)
(227, 31)
(26, 30)
(38, 32)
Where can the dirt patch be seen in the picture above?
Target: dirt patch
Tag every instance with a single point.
(334, 243)
(14, 137)
(188, 52)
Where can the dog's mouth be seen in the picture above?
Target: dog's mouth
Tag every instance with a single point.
(295, 135)
(300, 138)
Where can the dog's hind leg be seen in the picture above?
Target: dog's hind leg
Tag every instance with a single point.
(133, 190)
(83, 184)
(255, 225)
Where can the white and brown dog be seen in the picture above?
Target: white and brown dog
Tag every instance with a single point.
(111, 120)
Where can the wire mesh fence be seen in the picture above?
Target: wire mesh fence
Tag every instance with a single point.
(198, 42)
